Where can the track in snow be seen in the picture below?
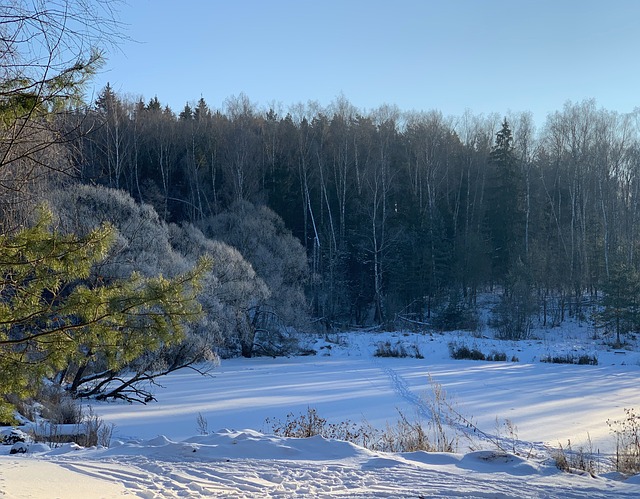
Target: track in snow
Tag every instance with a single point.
(377, 477)
(461, 424)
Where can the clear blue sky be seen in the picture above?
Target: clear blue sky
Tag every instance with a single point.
(451, 55)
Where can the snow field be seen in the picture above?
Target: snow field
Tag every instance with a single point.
(155, 454)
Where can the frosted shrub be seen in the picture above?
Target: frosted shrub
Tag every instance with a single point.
(142, 239)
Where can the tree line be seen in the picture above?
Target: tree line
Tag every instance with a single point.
(400, 214)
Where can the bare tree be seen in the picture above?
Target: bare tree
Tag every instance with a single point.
(48, 51)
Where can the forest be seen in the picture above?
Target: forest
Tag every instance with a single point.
(141, 239)
(403, 216)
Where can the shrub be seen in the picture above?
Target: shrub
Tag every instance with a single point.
(571, 359)
(497, 357)
(203, 424)
(569, 461)
(456, 316)
(12, 436)
(404, 436)
(627, 433)
(411, 436)
(96, 431)
(57, 405)
(384, 349)
(303, 426)
(464, 352)
(89, 431)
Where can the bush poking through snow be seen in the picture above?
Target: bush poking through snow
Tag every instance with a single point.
(584, 359)
(90, 431)
(58, 406)
(571, 461)
(507, 436)
(97, 432)
(404, 436)
(385, 349)
(497, 357)
(302, 426)
(12, 436)
(627, 433)
(203, 424)
(19, 448)
(411, 436)
(464, 352)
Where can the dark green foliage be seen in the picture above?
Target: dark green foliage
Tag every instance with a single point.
(512, 317)
(505, 219)
(51, 316)
(456, 316)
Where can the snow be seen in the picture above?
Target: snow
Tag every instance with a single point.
(156, 451)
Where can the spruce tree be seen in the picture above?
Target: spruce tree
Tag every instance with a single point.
(504, 213)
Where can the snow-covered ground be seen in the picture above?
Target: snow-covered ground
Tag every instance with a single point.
(160, 450)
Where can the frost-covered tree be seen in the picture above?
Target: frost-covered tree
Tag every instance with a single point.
(141, 237)
(231, 293)
(277, 257)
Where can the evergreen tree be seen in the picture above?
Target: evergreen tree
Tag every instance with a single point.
(186, 114)
(52, 316)
(504, 213)
(621, 303)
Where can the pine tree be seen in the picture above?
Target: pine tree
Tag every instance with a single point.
(52, 316)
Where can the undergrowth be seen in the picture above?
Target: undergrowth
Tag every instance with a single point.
(584, 359)
(385, 349)
(582, 460)
(627, 435)
(461, 352)
(405, 435)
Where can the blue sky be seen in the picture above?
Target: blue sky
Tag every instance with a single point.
(450, 55)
